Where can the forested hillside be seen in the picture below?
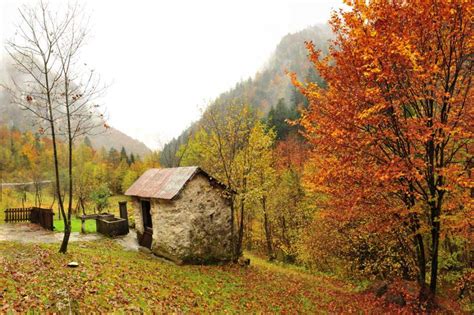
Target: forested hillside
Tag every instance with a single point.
(361, 164)
(26, 157)
(270, 89)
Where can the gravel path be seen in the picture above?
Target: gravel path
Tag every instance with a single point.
(32, 233)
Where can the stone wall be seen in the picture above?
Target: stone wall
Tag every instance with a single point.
(195, 227)
(137, 213)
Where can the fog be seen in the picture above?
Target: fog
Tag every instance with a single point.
(165, 60)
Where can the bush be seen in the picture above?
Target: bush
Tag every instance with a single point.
(349, 248)
(100, 197)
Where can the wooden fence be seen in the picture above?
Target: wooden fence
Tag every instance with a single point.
(43, 217)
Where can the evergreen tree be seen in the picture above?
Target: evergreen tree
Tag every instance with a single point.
(124, 156)
(298, 99)
(278, 116)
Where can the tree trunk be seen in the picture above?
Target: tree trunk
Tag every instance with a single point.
(268, 236)
(65, 242)
(241, 224)
(81, 201)
(55, 158)
(414, 225)
(421, 259)
(434, 253)
(53, 139)
(67, 220)
(241, 229)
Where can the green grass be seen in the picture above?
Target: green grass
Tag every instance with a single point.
(35, 278)
(75, 225)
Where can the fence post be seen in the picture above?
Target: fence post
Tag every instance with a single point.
(124, 212)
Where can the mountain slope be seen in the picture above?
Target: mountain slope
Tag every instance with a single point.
(114, 138)
(271, 84)
(13, 116)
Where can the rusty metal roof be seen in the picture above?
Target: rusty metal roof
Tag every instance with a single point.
(162, 183)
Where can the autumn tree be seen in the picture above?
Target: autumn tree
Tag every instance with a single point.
(31, 152)
(293, 211)
(215, 146)
(46, 50)
(85, 176)
(113, 157)
(261, 177)
(393, 131)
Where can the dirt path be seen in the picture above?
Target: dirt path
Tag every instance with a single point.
(32, 233)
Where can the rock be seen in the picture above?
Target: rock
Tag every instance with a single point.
(73, 264)
(395, 298)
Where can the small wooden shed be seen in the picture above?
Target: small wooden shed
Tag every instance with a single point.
(183, 214)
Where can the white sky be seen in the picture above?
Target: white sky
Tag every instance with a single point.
(165, 60)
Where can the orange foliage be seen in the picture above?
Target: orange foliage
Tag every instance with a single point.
(392, 133)
(291, 153)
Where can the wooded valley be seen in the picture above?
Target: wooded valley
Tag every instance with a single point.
(347, 160)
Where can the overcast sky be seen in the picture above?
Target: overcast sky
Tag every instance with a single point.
(165, 60)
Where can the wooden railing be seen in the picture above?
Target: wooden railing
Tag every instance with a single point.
(43, 217)
(18, 215)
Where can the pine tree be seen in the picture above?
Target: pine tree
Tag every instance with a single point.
(278, 116)
(124, 156)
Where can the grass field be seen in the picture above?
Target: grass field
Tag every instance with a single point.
(75, 225)
(35, 278)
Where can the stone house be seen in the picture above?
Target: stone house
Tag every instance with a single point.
(183, 214)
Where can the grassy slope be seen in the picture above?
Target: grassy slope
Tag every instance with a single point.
(109, 278)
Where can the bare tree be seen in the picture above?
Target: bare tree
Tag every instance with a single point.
(46, 50)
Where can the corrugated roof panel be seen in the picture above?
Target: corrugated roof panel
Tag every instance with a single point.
(164, 183)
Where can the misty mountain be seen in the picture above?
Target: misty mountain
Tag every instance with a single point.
(271, 85)
(13, 116)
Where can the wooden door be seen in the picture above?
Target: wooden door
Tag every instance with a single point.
(146, 238)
